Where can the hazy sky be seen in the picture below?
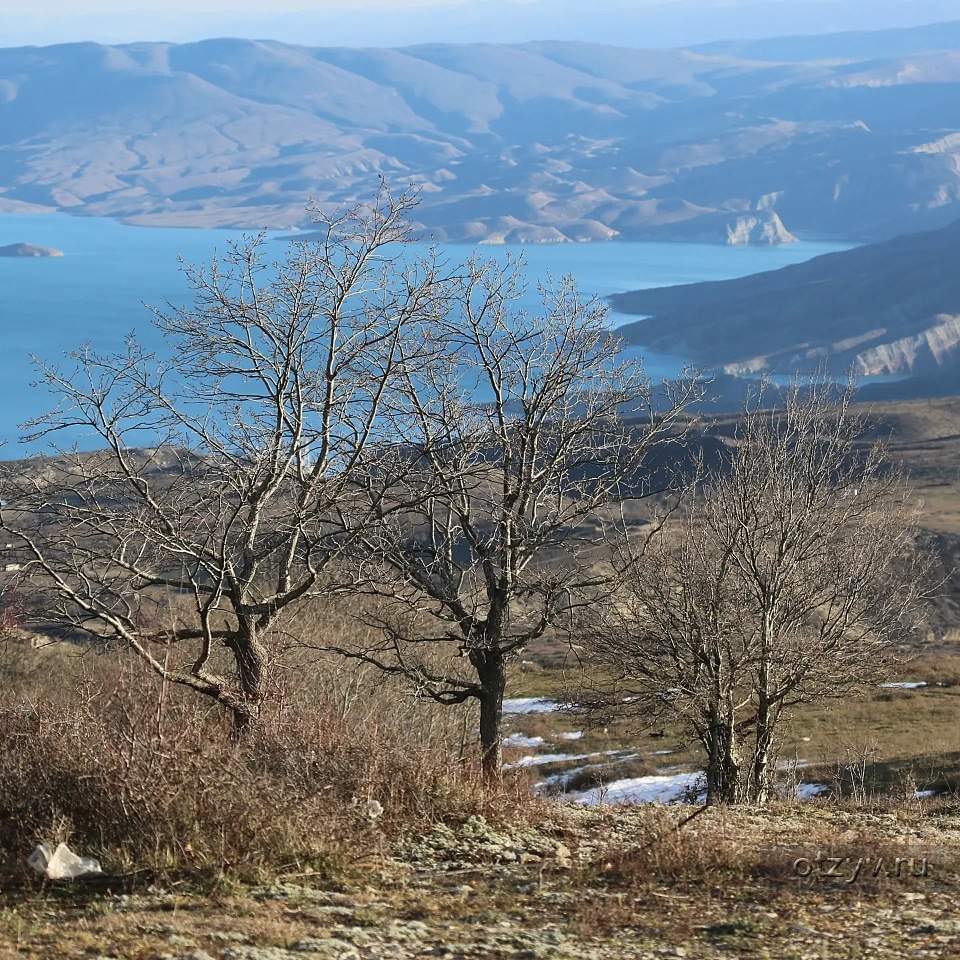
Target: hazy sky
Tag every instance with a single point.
(397, 22)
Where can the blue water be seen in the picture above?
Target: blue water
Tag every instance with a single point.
(96, 293)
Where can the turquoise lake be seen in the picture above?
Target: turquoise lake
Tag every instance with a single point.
(96, 293)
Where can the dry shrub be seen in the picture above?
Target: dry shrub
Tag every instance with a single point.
(146, 777)
(727, 848)
(688, 854)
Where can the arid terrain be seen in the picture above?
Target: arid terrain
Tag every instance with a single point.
(377, 599)
(857, 857)
(889, 309)
(582, 884)
(541, 142)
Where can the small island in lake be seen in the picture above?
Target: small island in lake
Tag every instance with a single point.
(29, 250)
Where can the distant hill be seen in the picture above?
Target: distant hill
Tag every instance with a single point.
(541, 142)
(28, 250)
(850, 46)
(886, 309)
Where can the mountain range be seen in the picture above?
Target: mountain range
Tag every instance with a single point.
(890, 309)
(650, 23)
(854, 136)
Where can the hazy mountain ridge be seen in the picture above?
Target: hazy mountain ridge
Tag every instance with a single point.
(851, 45)
(533, 142)
(886, 309)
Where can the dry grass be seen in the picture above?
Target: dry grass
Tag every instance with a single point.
(729, 877)
(664, 852)
(95, 754)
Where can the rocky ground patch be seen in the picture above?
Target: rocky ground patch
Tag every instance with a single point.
(575, 883)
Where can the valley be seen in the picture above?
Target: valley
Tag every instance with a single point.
(111, 270)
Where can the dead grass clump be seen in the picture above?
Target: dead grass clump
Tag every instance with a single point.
(693, 854)
(724, 850)
(149, 779)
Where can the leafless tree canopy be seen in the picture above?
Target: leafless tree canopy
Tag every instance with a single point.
(509, 500)
(344, 419)
(792, 578)
(257, 425)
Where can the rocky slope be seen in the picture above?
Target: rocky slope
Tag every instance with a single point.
(885, 309)
(580, 886)
(542, 142)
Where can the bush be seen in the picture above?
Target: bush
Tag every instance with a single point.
(146, 778)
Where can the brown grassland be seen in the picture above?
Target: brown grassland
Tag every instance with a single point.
(270, 851)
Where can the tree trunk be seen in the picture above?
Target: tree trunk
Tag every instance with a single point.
(760, 774)
(492, 674)
(766, 719)
(724, 777)
(243, 717)
(251, 660)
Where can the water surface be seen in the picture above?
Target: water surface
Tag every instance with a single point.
(96, 293)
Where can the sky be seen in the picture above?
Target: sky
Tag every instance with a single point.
(400, 22)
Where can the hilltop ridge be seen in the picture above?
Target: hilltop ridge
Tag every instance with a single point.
(523, 143)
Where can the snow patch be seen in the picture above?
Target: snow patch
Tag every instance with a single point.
(670, 788)
(808, 791)
(519, 740)
(909, 685)
(530, 705)
(560, 780)
(539, 759)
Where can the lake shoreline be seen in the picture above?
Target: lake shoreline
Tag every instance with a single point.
(294, 234)
(111, 270)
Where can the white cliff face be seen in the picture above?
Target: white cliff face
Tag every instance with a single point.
(930, 350)
(873, 354)
(763, 228)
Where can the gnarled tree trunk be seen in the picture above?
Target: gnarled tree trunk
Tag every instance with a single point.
(725, 780)
(250, 655)
(492, 674)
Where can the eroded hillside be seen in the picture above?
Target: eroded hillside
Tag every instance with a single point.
(525, 143)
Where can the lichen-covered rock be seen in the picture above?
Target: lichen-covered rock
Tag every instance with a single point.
(327, 947)
(478, 841)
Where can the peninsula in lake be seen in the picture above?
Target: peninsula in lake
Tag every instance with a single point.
(887, 309)
(29, 250)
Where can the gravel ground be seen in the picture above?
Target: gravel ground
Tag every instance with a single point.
(474, 890)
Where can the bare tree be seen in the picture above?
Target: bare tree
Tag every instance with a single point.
(189, 550)
(518, 443)
(792, 579)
